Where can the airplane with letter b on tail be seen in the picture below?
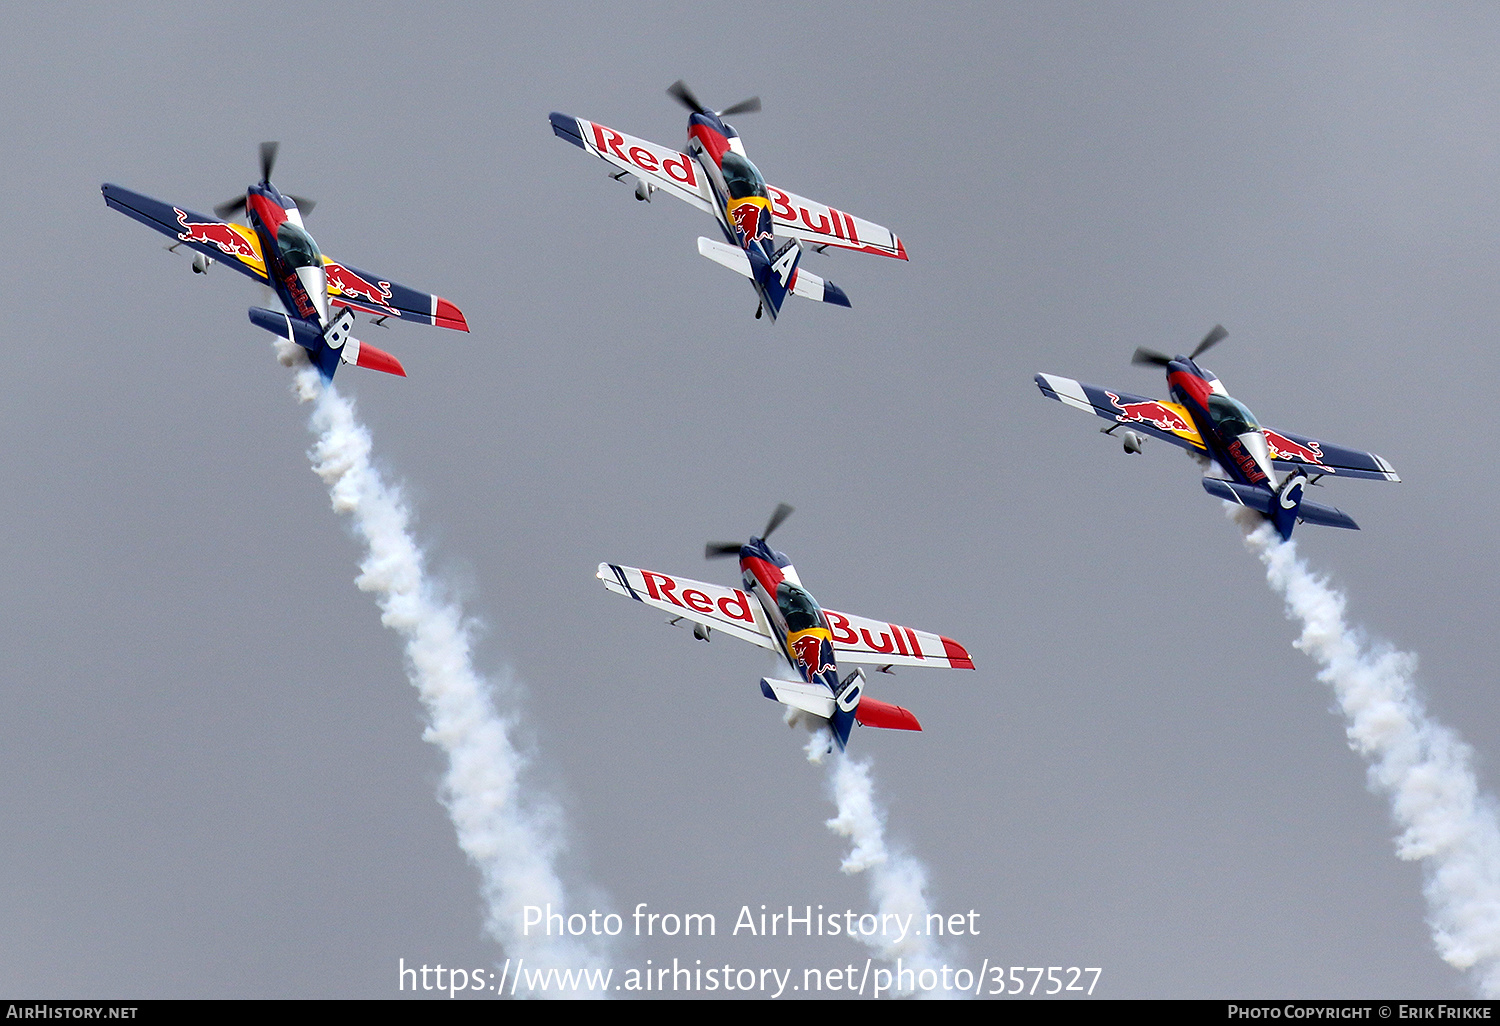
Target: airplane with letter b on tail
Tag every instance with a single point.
(275, 249)
(715, 176)
(774, 611)
(1248, 464)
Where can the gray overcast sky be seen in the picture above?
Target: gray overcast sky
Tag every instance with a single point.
(212, 777)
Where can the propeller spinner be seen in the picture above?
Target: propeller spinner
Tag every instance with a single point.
(715, 550)
(268, 152)
(1158, 359)
(680, 92)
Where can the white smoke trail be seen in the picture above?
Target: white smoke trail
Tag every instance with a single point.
(897, 881)
(507, 831)
(1422, 766)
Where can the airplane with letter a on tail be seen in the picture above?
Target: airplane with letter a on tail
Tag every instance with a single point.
(1266, 470)
(774, 611)
(275, 249)
(715, 176)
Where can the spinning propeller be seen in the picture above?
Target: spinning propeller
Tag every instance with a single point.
(680, 92)
(1151, 356)
(714, 550)
(267, 162)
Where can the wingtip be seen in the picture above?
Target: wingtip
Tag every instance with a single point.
(449, 316)
(958, 656)
(565, 127)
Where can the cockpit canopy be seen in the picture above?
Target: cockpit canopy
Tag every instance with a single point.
(297, 247)
(798, 607)
(741, 176)
(1231, 416)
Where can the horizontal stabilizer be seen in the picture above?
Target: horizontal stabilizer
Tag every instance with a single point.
(362, 354)
(872, 712)
(804, 284)
(731, 257)
(810, 698)
(1260, 500)
(277, 323)
(810, 286)
(329, 347)
(1325, 516)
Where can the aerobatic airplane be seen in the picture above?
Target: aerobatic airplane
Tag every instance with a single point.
(715, 176)
(774, 611)
(1243, 458)
(275, 249)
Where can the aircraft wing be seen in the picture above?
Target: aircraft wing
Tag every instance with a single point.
(1315, 457)
(875, 643)
(666, 169)
(1168, 421)
(361, 290)
(731, 610)
(237, 246)
(820, 225)
(233, 245)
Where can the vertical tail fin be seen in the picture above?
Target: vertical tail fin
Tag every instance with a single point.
(846, 707)
(778, 277)
(1288, 503)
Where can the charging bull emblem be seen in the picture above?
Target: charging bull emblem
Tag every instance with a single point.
(352, 286)
(1159, 415)
(215, 233)
(1283, 448)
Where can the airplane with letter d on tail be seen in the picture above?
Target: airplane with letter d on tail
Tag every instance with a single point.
(774, 611)
(275, 249)
(1245, 461)
(715, 176)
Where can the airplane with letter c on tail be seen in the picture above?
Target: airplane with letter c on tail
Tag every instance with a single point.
(275, 249)
(774, 611)
(1248, 464)
(715, 176)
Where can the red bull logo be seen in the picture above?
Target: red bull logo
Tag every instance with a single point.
(808, 649)
(1245, 461)
(747, 218)
(300, 299)
(1283, 448)
(352, 286)
(215, 233)
(1159, 415)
